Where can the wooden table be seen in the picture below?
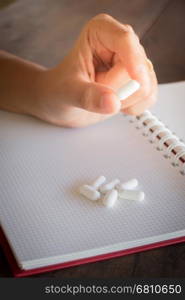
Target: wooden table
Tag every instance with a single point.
(43, 31)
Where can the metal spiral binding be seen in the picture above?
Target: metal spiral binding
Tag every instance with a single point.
(159, 134)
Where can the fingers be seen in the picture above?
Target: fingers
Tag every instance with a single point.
(116, 77)
(97, 98)
(104, 35)
(143, 94)
(131, 61)
(120, 39)
(133, 107)
(93, 97)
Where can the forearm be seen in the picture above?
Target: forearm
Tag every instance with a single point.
(20, 84)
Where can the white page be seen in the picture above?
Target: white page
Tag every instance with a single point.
(42, 167)
(170, 107)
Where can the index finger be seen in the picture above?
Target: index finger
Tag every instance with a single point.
(122, 40)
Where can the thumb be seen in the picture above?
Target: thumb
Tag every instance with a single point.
(94, 97)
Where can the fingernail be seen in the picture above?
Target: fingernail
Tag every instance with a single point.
(109, 103)
(149, 65)
(103, 101)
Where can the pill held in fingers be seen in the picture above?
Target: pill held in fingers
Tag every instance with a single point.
(128, 89)
(132, 195)
(109, 186)
(110, 198)
(98, 182)
(89, 192)
(128, 185)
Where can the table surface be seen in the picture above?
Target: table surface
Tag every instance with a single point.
(43, 31)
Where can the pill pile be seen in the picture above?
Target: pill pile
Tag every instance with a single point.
(111, 191)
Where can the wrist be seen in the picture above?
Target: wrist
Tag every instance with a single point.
(46, 104)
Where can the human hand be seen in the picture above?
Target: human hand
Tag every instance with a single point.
(82, 89)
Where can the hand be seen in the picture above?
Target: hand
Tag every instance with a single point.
(82, 89)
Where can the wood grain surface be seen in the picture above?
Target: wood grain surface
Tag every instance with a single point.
(43, 31)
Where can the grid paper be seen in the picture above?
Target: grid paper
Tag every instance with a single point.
(42, 167)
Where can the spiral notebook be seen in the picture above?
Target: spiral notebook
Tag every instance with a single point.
(47, 225)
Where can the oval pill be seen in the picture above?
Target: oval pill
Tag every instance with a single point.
(109, 186)
(132, 195)
(89, 192)
(110, 198)
(98, 182)
(128, 185)
(128, 89)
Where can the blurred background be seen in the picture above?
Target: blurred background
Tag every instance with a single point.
(44, 30)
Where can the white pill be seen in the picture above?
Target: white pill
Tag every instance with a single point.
(89, 192)
(98, 182)
(128, 185)
(128, 89)
(110, 198)
(109, 186)
(132, 195)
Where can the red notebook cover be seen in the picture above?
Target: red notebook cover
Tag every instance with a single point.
(18, 272)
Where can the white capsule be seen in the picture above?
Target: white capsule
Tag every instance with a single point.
(110, 198)
(132, 195)
(98, 182)
(128, 185)
(109, 186)
(89, 192)
(128, 89)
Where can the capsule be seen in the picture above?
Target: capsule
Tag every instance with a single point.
(128, 185)
(132, 195)
(89, 192)
(128, 89)
(110, 198)
(98, 182)
(109, 186)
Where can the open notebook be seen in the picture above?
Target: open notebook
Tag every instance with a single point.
(46, 224)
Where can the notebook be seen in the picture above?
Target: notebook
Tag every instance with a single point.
(46, 224)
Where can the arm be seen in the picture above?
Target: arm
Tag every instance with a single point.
(20, 83)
